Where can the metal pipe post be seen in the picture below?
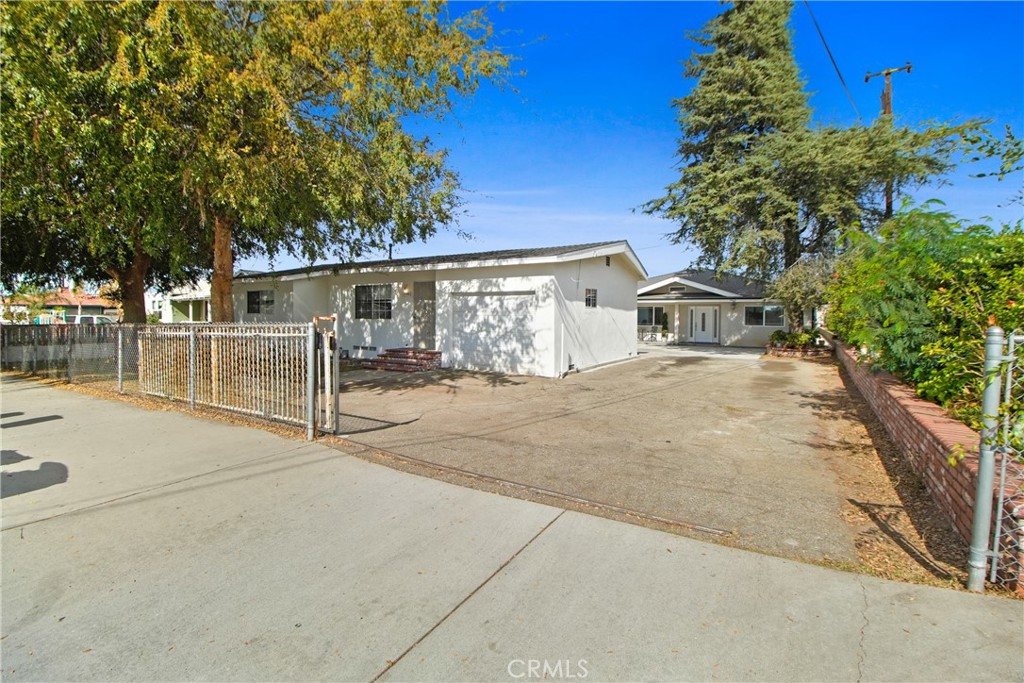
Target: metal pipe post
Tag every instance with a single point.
(310, 381)
(982, 522)
(68, 330)
(336, 379)
(120, 359)
(326, 372)
(192, 368)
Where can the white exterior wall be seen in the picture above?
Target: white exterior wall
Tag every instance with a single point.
(499, 319)
(310, 297)
(364, 338)
(519, 319)
(283, 308)
(592, 336)
(736, 333)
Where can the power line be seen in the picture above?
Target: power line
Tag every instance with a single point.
(834, 65)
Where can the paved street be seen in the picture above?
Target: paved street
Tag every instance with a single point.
(151, 545)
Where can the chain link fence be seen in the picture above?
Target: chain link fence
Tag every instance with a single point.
(1008, 533)
(997, 534)
(272, 372)
(81, 354)
(258, 370)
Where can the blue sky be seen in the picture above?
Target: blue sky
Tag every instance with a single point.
(588, 133)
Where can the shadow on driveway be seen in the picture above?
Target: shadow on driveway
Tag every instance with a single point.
(717, 441)
(49, 474)
(31, 421)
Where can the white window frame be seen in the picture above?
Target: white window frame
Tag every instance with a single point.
(380, 304)
(590, 298)
(763, 314)
(260, 304)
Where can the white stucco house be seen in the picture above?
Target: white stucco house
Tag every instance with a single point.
(186, 304)
(704, 308)
(543, 311)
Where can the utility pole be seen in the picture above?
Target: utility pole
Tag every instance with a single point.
(887, 111)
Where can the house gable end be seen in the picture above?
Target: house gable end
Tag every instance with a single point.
(684, 288)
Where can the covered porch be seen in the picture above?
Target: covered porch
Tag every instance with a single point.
(694, 321)
(713, 321)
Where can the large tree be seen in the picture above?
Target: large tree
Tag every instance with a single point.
(748, 87)
(86, 192)
(294, 121)
(227, 129)
(758, 187)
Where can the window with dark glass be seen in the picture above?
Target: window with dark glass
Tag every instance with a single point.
(259, 301)
(591, 298)
(373, 302)
(773, 316)
(767, 316)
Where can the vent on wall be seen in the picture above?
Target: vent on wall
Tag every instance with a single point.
(363, 348)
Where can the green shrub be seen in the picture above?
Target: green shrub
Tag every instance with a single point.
(800, 339)
(919, 297)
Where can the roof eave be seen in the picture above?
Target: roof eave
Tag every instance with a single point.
(608, 249)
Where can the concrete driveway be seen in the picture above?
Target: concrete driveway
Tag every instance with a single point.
(185, 549)
(716, 438)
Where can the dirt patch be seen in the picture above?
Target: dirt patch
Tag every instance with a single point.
(898, 530)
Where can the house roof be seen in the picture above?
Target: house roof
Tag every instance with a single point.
(725, 285)
(474, 259)
(69, 298)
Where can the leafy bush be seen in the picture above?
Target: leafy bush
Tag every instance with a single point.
(800, 339)
(918, 298)
(778, 338)
(802, 286)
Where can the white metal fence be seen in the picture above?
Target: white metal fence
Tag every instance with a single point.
(282, 373)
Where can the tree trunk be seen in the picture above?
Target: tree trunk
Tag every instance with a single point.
(131, 284)
(221, 300)
(791, 243)
(790, 255)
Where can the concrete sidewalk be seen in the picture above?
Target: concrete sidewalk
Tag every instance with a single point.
(157, 546)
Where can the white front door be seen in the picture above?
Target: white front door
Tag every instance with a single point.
(704, 324)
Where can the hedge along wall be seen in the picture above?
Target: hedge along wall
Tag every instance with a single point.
(927, 436)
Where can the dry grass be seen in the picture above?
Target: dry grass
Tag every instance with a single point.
(898, 530)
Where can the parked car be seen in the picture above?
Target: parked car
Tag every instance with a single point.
(89, 320)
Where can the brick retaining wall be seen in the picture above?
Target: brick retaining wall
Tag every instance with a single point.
(927, 436)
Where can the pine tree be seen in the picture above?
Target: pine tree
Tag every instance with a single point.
(758, 187)
(729, 200)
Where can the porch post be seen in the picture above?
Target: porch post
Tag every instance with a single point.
(675, 324)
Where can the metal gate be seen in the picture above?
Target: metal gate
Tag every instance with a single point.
(998, 536)
(277, 372)
(326, 380)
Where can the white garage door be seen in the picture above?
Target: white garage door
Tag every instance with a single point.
(495, 331)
